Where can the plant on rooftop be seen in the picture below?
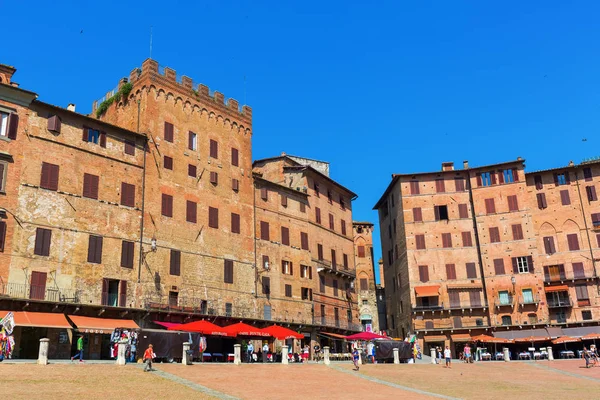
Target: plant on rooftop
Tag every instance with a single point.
(123, 93)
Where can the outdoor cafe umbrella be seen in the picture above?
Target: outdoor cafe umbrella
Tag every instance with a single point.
(281, 333)
(490, 339)
(365, 336)
(242, 329)
(204, 327)
(565, 340)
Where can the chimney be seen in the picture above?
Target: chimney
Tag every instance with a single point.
(71, 107)
(448, 166)
(465, 164)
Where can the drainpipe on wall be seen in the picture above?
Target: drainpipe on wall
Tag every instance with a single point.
(143, 199)
(254, 237)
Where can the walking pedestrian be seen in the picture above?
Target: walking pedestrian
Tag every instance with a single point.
(148, 356)
(355, 355)
(265, 351)
(305, 354)
(448, 357)
(79, 349)
(439, 354)
(467, 354)
(586, 356)
(250, 350)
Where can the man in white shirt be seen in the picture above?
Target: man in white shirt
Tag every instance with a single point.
(448, 357)
(250, 350)
(265, 351)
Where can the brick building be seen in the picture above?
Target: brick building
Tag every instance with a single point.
(170, 223)
(489, 250)
(365, 276)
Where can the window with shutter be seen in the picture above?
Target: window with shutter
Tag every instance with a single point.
(168, 162)
(420, 242)
(49, 178)
(501, 175)
(541, 199)
(564, 197)
(343, 225)
(228, 271)
(264, 194)
(499, 266)
(167, 205)
(320, 252)
(517, 231)
(235, 223)
(494, 235)
(537, 179)
(175, 264)
(549, 245)
(168, 132)
(127, 250)
(414, 187)
(475, 298)
(462, 211)
(513, 204)
(333, 259)
(596, 220)
(288, 290)
(581, 292)
(3, 173)
(423, 273)
(54, 124)
(573, 242)
(587, 174)
(459, 183)
(440, 187)
(102, 139)
(214, 178)
(417, 215)
(331, 222)
(345, 258)
(42, 242)
(591, 193)
(191, 211)
(213, 217)
(13, 126)
(214, 149)
(450, 271)
(37, 288)
(471, 271)
(361, 251)
(364, 284)
(285, 236)
(127, 194)
(446, 240)
(264, 230)
(578, 271)
(454, 298)
(90, 186)
(302, 207)
(129, 147)
(192, 170)
(95, 249)
(235, 157)
(304, 240)
(490, 206)
(466, 239)
(235, 185)
(335, 288)
(317, 215)
(2, 235)
(192, 140)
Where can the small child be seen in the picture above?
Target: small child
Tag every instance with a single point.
(355, 356)
(148, 356)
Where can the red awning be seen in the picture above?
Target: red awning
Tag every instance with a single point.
(204, 327)
(427, 291)
(38, 319)
(282, 333)
(101, 325)
(243, 329)
(333, 335)
(559, 288)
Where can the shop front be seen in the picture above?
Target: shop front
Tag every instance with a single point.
(97, 335)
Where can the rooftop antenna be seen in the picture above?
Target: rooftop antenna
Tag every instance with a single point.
(150, 41)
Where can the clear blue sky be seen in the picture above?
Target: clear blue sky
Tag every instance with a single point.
(373, 90)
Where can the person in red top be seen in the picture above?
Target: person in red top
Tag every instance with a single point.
(148, 356)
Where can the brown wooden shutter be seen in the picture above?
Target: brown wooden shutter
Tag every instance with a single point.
(417, 215)
(123, 294)
(479, 183)
(175, 267)
(515, 173)
(591, 193)
(541, 199)
(578, 271)
(466, 238)
(475, 298)
(471, 271)
(291, 268)
(90, 186)
(500, 176)
(463, 211)
(446, 240)
(361, 251)
(264, 230)
(450, 271)
(302, 207)
(567, 177)
(264, 194)
(564, 197)
(235, 157)
(331, 222)
(39, 242)
(213, 217)
(499, 266)
(318, 215)
(235, 184)
(513, 204)
(587, 174)
(459, 183)
(85, 134)
(494, 235)
(573, 242)
(168, 162)
(549, 245)
(13, 126)
(288, 290)
(192, 170)
(168, 132)
(310, 275)
(284, 200)
(2, 235)
(127, 194)
(304, 240)
(538, 182)
(54, 124)
(490, 206)
(167, 205)
(2, 188)
(530, 264)
(515, 265)
(214, 149)
(333, 259)
(103, 139)
(37, 289)
(285, 236)
(235, 223)
(214, 178)
(423, 273)
(436, 212)
(98, 251)
(320, 252)
(414, 187)
(493, 177)
(129, 147)
(191, 211)
(127, 250)
(517, 231)
(555, 175)
(440, 187)
(420, 242)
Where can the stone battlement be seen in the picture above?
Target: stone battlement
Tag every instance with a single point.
(168, 76)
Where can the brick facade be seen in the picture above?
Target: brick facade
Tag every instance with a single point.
(365, 275)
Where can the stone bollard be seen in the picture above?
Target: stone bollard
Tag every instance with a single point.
(43, 352)
(432, 354)
(121, 350)
(396, 356)
(284, 354)
(186, 359)
(506, 354)
(550, 355)
(326, 355)
(237, 354)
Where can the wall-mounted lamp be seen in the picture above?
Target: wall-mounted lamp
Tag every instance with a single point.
(153, 244)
